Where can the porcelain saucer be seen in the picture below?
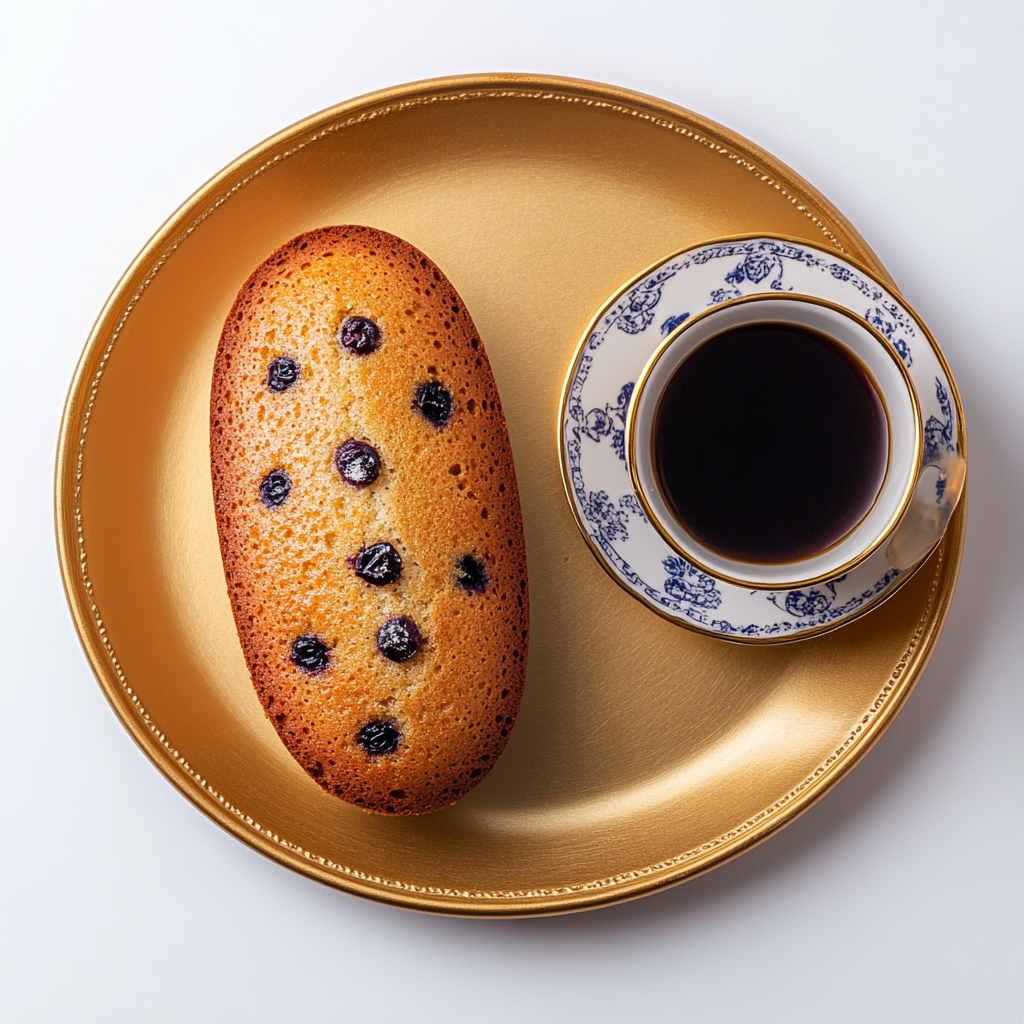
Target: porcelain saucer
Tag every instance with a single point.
(600, 382)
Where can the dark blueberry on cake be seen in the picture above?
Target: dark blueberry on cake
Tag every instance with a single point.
(282, 373)
(398, 638)
(434, 402)
(359, 335)
(357, 462)
(275, 487)
(310, 654)
(378, 738)
(471, 575)
(379, 564)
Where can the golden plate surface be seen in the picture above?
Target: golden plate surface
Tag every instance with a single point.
(645, 753)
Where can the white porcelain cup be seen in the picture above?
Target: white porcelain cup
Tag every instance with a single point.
(904, 464)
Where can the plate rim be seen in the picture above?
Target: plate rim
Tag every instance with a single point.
(174, 765)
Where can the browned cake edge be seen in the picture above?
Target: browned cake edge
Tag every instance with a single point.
(379, 794)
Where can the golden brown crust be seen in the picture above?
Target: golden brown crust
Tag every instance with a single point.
(442, 493)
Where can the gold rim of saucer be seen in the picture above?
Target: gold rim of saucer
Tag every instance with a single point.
(908, 490)
(886, 662)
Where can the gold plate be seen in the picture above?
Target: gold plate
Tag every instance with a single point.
(644, 753)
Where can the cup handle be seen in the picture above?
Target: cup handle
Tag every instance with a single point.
(940, 484)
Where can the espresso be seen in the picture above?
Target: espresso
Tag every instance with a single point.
(770, 443)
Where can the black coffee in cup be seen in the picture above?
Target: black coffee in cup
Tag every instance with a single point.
(770, 443)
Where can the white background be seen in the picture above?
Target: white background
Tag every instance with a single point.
(897, 898)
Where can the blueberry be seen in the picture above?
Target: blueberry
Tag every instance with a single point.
(398, 639)
(310, 654)
(357, 462)
(379, 737)
(434, 402)
(471, 575)
(282, 373)
(379, 564)
(359, 335)
(275, 487)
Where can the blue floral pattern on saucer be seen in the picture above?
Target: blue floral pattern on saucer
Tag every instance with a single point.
(601, 384)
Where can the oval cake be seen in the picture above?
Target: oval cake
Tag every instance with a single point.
(369, 520)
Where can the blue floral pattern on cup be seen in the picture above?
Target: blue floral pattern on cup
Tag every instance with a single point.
(601, 385)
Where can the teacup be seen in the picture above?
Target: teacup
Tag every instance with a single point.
(870, 486)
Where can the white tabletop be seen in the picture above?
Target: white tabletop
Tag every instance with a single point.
(897, 898)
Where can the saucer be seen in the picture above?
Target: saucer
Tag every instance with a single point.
(603, 373)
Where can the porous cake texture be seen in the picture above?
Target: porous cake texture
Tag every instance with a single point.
(369, 520)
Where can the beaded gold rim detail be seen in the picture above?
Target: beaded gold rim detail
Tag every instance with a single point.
(340, 873)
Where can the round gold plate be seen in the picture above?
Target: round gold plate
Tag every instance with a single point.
(644, 753)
